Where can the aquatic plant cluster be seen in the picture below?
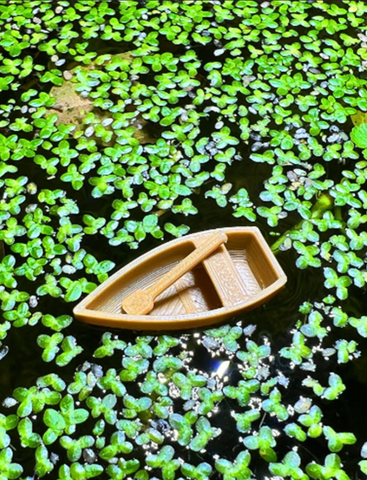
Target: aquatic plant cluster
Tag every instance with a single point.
(121, 123)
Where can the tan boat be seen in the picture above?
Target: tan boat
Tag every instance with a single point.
(194, 281)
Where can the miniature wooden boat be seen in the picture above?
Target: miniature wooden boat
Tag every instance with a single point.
(239, 274)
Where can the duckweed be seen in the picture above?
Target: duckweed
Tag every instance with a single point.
(127, 123)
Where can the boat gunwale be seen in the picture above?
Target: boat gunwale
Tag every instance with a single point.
(154, 322)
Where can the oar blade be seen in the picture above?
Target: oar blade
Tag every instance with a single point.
(138, 303)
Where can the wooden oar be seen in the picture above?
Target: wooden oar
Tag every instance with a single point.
(141, 302)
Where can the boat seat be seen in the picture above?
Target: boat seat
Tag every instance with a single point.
(225, 276)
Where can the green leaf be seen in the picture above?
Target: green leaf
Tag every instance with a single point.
(252, 442)
(359, 135)
(74, 292)
(79, 416)
(54, 419)
(363, 466)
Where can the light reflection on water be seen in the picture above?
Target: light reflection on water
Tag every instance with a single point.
(223, 367)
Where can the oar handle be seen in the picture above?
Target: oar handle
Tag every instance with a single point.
(187, 264)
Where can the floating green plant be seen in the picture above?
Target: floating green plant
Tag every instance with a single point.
(125, 123)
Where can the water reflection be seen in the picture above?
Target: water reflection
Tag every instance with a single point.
(222, 369)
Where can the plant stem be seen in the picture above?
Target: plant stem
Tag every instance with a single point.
(322, 205)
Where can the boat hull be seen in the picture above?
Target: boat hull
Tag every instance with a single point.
(237, 278)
